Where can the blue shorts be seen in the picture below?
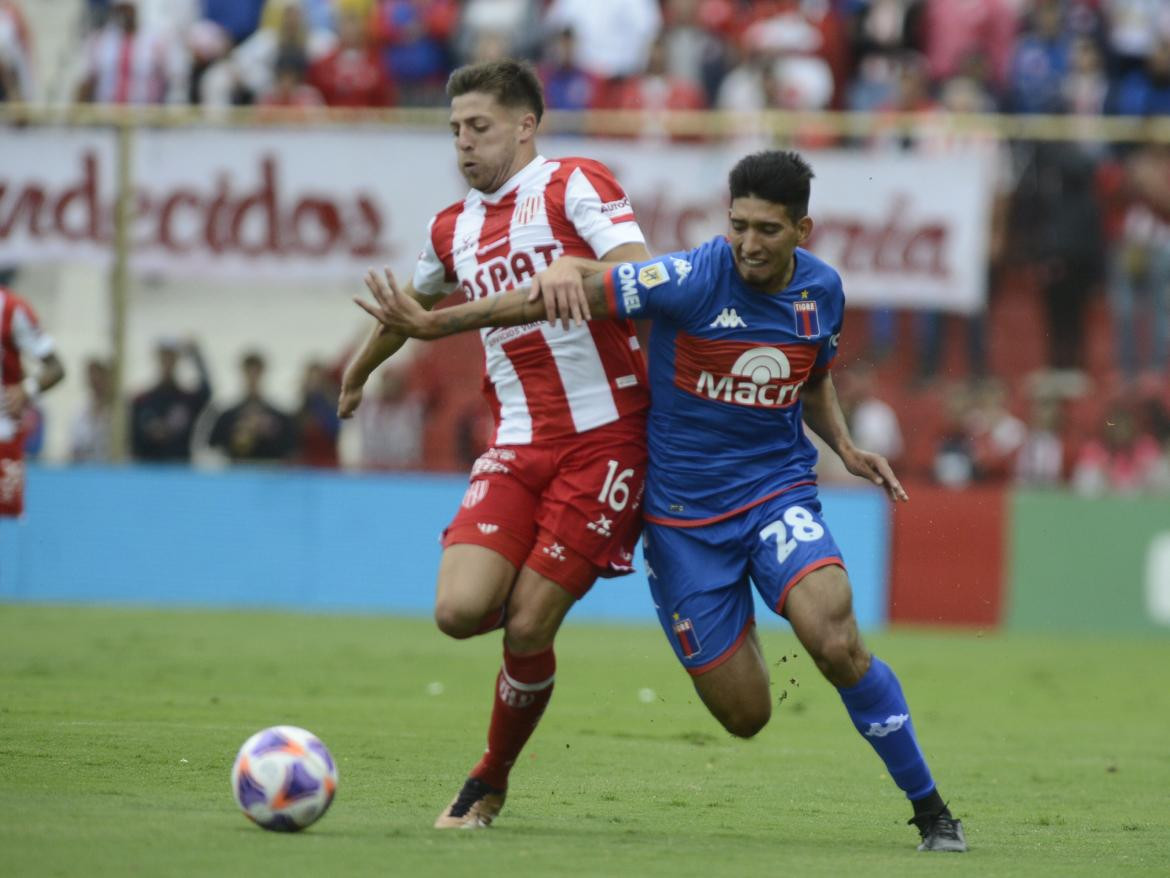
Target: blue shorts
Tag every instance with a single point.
(699, 576)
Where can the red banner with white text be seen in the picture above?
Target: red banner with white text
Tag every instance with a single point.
(904, 230)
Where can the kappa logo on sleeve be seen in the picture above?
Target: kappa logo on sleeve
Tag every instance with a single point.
(681, 267)
(653, 275)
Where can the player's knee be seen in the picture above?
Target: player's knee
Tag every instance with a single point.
(454, 620)
(530, 631)
(746, 720)
(839, 657)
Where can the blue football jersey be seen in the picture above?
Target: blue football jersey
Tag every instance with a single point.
(726, 367)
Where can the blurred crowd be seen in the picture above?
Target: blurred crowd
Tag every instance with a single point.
(1080, 224)
(179, 419)
(976, 439)
(1032, 56)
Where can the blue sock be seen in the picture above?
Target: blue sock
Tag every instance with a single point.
(878, 710)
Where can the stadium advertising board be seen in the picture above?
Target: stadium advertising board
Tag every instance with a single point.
(305, 542)
(905, 230)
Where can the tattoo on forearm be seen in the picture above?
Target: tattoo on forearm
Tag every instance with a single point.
(497, 311)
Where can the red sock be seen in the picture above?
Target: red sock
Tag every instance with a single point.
(523, 688)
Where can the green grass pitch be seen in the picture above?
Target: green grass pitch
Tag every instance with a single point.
(118, 728)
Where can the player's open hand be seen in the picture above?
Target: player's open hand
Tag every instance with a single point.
(563, 292)
(875, 468)
(392, 308)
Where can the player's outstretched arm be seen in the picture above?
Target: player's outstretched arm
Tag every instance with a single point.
(401, 315)
(822, 413)
(381, 344)
(562, 287)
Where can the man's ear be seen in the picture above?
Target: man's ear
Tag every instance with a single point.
(528, 125)
(804, 229)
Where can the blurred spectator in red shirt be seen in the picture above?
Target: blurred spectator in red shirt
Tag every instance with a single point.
(352, 74)
(657, 89)
(955, 30)
(1124, 458)
(807, 43)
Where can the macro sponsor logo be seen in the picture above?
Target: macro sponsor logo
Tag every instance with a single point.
(628, 287)
(755, 379)
(891, 725)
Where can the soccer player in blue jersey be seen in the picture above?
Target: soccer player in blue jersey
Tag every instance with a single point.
(744, 331)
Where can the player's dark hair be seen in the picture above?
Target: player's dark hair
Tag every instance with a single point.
(774, 175)
(511, 83)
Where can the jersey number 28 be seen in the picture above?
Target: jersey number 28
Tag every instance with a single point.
(804, 528)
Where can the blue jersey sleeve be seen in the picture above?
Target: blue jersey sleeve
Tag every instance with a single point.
(656, 287)
(830, 346)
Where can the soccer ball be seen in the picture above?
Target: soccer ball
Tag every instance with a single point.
(284, 778)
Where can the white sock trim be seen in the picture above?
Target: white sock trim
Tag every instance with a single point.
(526, 687)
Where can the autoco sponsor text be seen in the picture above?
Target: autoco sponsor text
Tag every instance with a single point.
(622, 205)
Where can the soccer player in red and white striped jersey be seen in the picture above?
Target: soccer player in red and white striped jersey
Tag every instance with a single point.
(554, 503)
(21, 339)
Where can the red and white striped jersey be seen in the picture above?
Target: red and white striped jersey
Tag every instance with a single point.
(542, 381)
(20, 335)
